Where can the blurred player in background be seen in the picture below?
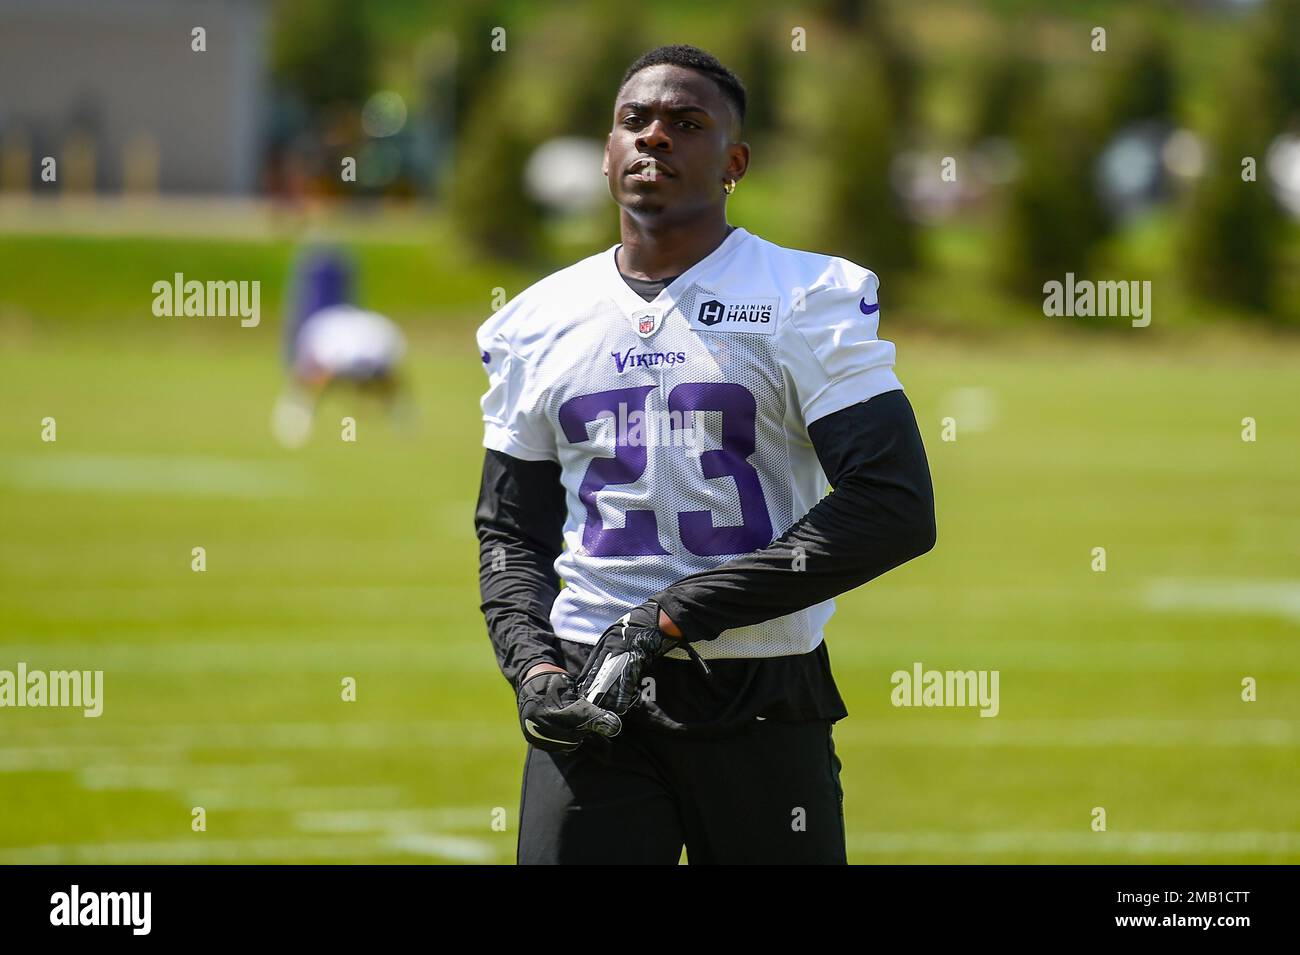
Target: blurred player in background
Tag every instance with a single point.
(329, 341)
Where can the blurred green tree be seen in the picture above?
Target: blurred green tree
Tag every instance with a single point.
(1143, 80)
(760, 63)
(1053, 215)
(322, 51)
(489, 203)
(860, 214)
(1005, 86)
(1230, 240)
(598, 48)
(1277, 45)
(873, 22)
(477, 64)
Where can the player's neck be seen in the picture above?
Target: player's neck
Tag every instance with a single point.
(651, 251)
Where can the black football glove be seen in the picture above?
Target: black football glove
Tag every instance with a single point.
(555, 718)
(611, 679)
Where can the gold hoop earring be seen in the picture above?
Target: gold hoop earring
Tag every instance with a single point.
(728, 186)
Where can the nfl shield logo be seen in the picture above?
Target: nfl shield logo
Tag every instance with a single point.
(648, 321)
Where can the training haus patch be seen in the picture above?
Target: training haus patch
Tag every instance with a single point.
(754, 315)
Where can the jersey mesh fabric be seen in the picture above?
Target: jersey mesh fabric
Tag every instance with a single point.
(571, 356)
(599, 589)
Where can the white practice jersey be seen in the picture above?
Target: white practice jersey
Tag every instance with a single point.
(348, 342)
(681, 425)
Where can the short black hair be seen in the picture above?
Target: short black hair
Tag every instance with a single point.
(693, 58)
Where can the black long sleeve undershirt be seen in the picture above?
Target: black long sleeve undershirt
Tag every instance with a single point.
(879, 515)
(520, 525)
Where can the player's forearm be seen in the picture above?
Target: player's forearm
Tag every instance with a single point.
(516, 600)
(880, 515)
(519, 522)
(836, 547)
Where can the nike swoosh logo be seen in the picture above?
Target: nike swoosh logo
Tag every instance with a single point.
(608, 674)
(534, 731)
(868, 309)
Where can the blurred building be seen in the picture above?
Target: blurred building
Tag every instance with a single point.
(115, 92)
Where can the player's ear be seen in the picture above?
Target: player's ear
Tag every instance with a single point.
(737, 161)
(604, 163)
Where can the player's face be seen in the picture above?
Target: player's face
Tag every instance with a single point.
(672, 144)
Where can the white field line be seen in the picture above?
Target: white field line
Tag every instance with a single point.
(165, 474)
(24, 746)
(176, 777)
(1279, 598)
(272, 656)
(250, 592)
(54, 757)
(852, 660)
(302, 657)
(330, 834)
(320, 798)
(1063, 842)
(201, 848)
(44, 749)
(439, 846)
(396, 821)
(910, 730)
(420, 831)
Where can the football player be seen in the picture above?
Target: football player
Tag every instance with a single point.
(659, 602)
(331, 342)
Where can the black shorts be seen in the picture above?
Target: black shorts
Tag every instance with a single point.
(769, 794)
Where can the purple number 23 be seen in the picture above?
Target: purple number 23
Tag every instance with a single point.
(639, 534)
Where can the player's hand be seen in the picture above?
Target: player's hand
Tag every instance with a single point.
(612, 677)
(555, 718)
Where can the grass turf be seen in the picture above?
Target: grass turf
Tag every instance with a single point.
(222, 689)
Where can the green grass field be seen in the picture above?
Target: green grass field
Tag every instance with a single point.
(223, 688)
